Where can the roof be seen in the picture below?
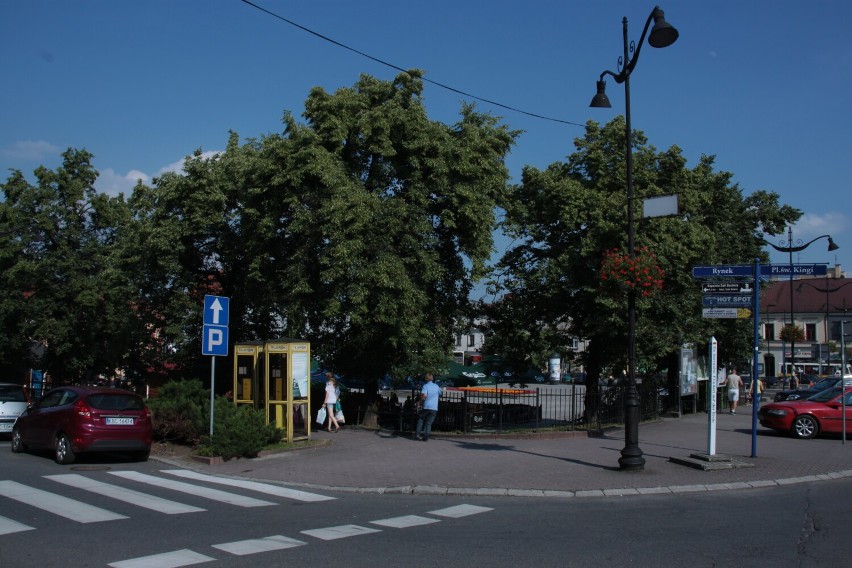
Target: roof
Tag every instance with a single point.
(810, 295)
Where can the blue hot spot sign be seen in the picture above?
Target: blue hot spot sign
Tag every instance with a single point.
(727, 301)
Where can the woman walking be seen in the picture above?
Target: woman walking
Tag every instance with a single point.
(332, 393)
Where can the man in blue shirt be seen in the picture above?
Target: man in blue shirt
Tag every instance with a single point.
(429, 396)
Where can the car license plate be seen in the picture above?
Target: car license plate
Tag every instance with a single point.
(6, 427)
(119, 421)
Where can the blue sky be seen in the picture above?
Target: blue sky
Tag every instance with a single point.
(763, 85)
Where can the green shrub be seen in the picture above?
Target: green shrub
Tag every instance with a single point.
(238, 431)
(179, 413)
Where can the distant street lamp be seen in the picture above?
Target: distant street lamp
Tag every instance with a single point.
(788, 247)
(662, 35)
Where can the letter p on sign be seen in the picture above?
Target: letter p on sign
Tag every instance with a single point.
(215, 340)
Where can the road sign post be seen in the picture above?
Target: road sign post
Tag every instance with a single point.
(214, 339)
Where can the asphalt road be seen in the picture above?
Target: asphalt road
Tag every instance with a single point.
(122, 514)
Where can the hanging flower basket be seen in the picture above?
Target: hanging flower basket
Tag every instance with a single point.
(792, 333)
(642, 272)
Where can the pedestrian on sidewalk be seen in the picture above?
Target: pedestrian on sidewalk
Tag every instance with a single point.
(735, 383)
(332, 393)
(429, 395)
(756, 394)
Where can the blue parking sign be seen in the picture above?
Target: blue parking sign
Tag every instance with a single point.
(215, 340)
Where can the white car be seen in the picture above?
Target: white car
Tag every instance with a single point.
(13, 402)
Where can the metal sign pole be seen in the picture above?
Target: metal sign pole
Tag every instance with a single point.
(755, 378)
(212, 391)
(711, 428)
(843, 375)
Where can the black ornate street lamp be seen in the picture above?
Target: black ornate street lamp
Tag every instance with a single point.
(662, 35)
(790, 246)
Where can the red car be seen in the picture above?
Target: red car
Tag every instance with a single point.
(75, 420)
(806, 418)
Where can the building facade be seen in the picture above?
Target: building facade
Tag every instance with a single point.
(819, 307)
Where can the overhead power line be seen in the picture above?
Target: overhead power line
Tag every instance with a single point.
(398, 68)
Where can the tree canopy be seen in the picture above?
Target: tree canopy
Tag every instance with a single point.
(362, 228)
(569, 217)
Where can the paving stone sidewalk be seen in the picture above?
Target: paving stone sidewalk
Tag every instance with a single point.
(569, 464)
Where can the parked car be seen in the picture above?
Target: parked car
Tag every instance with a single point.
(74, 420)
(807, 418)
(805, 392)
(13, 401)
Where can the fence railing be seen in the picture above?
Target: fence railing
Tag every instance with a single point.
(498, 410)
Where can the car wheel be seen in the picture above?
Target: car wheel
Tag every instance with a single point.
(17, 443)
(142, 456)
(805, 427)
(64, 453)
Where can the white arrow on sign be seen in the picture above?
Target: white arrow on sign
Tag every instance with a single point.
(216, 307)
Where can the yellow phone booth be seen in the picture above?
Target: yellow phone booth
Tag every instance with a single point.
(288, 367)
(275, 376)
(248, 374)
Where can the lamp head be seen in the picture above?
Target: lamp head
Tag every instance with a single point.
(663, 33)
(600, 100)
(831, 244)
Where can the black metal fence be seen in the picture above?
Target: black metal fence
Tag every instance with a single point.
(502, 409)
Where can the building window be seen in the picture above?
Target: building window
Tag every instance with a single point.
(810, 332)
(458, 340)
(769, 331)
(471, 340)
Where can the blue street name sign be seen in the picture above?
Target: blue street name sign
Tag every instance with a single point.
(741, 270)
(723, 271)
(795, 269)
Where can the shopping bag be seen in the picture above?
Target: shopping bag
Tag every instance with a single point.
(339, 417)
(337, 408)
(321, 415)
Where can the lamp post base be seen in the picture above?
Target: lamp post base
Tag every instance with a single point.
(631, 460)
(631, 455)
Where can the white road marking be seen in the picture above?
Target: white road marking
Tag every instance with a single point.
(213, 494)
(123, 494)
(275, 490)
(8, 526)
(174, 559)
(405, 521)
(460, 511)
(56, 504)
(343, 531)
(255, 545)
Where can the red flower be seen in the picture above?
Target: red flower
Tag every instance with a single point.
(640, 271)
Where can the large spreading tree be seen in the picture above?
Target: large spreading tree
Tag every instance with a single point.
(362, 229)
(570, 221)
(66, 304)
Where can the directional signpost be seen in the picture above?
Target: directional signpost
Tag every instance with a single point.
(214, 340)
(739, 299)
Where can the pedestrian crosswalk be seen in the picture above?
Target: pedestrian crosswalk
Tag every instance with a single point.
(136, 489)
(186, 557)
(54, 502)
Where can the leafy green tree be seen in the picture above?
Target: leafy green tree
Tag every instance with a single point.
(362, 229)
(64, 290)
(569, 215)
